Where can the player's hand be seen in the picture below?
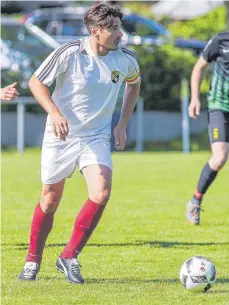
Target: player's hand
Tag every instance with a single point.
(60, 125)
(9, 93)
(120, 137)
(194, 108)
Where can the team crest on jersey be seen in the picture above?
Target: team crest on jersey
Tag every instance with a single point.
(115, 76)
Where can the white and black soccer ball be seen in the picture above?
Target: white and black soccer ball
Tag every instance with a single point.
(198, 274)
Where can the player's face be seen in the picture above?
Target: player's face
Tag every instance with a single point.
(111, 37)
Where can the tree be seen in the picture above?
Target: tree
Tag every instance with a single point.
(226, 3)
(164, 67)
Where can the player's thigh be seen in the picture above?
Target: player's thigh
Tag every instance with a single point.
(58, 158)
(96, 165)
(218, 127)
(98, 178)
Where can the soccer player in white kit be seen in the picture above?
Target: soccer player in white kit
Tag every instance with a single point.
(88, 74)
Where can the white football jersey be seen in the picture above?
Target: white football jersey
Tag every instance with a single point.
(87, 85)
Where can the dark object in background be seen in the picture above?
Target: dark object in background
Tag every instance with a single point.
(66, 24)
(23, 48)
(12, 7)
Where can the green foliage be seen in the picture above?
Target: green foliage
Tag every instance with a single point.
(203, 27)
(164, 67)
(139, 7)
(162, 70)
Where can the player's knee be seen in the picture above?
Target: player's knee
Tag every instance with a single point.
(49, 203)
(48, 207)
(102, 197)
(219, 160)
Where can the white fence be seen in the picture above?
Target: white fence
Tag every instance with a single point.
(26, 129)
(30, 127)
(21, 103)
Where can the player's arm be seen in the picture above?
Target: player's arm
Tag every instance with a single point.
(131, 94)
(129, 101)
(54, 65)
(196, 80)
(208, 55)
(42, 95)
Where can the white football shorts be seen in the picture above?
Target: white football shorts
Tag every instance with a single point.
(59, 159)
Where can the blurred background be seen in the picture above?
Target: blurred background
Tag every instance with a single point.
(167, 36)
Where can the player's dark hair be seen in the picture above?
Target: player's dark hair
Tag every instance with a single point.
(101, 15)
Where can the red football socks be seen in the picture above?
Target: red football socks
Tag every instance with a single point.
(85, 224)
(198, 195)
(40, 229)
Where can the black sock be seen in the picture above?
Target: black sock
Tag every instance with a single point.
(196, 200)
(207, 176)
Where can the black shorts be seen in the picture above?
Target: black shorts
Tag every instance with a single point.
(218, 125)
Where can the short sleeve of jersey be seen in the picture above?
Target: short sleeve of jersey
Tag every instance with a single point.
(55, 64)
(211, 50)
(133, 73)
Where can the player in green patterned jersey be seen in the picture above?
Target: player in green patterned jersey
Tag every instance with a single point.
(217, 51)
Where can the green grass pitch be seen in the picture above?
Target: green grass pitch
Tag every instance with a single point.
(135, 254)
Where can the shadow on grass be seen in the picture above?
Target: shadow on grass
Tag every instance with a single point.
(137, 243)
(118, 281)
(222, 281)
(130, 280)
(138, 281)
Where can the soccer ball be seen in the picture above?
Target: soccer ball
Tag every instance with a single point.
(198, 274)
